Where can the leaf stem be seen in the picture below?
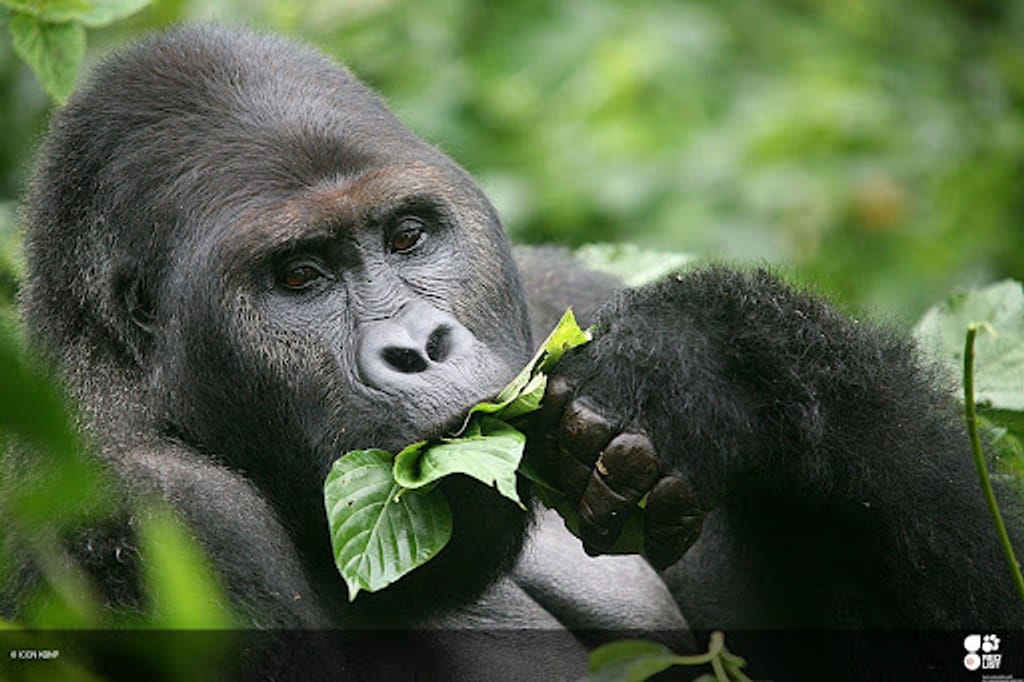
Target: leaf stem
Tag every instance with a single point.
(979, 459)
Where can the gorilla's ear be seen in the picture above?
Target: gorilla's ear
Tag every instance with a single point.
(140, 306)
(133, 318)
(138, 303)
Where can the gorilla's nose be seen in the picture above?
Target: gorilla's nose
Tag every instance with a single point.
(396, 353)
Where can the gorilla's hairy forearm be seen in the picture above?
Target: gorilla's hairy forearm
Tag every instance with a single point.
(829, 445)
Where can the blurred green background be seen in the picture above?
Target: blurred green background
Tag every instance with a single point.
(874, 148)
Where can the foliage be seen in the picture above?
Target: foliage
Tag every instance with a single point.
(979, 458)
(49, 35)
(12, 267)
(633, 265)
(64, 489)
(638, 660)
(998, 377)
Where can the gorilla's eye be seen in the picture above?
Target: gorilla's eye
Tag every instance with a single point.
(408, 234)
(300, 276)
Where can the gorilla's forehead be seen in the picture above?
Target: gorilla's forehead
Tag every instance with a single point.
(344, 206)
(225, 115)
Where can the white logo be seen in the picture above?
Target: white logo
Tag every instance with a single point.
(988, 645)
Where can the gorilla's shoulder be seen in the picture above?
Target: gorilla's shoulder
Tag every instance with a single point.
(554, 280)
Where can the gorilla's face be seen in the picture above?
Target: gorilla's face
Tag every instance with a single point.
(271, 270)
(368, 311)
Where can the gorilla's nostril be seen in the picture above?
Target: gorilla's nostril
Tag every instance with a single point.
(439, 345)
(405, 360)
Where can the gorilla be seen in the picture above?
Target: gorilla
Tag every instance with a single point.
(244, 266)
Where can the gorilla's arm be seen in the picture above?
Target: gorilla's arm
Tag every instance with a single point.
(553, 281)
(842, 491)
(252, 552)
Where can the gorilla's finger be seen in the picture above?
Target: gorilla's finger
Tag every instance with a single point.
(555, 396)
(623, 473)
(573, 478)
(629, 465)
(602, 512)
(584, 432)
(674, 521)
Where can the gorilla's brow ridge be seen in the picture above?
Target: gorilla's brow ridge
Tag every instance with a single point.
(334, 209)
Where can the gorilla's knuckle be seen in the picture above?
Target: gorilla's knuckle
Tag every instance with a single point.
(631, 464)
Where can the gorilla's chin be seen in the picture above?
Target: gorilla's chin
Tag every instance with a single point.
(488, 531)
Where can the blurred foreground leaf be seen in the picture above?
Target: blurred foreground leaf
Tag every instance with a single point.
(183, 590)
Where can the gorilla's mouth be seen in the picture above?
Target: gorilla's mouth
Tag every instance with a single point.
(449, 427)
(426, 418)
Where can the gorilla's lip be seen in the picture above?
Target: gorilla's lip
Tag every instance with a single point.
(434, 425)
(455, 424)
(446, 424)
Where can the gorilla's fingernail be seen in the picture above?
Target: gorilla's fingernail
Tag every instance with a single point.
(584, 432)
(604, 502)
(591, 532)
(602, 514)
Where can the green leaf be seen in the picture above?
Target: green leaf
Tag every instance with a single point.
(377, 534)
(1006, 453)
(999, 369)
(105, 12)
(91, 13)
(630, 263)
(1008, 419)
(566, 335)
(489, 452)
(30, 405)
(524, 393)
(12, 259)
(54, 51)
(629, 661)
(52, 11)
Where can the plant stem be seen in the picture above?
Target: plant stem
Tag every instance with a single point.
(979, 460)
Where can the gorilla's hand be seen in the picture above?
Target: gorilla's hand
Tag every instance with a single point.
(606, 470)
(667, 403)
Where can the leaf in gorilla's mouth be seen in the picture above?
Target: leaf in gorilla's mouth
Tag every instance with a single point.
(385, 513)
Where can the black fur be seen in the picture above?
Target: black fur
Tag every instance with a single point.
(840, 474)
(178, 185)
